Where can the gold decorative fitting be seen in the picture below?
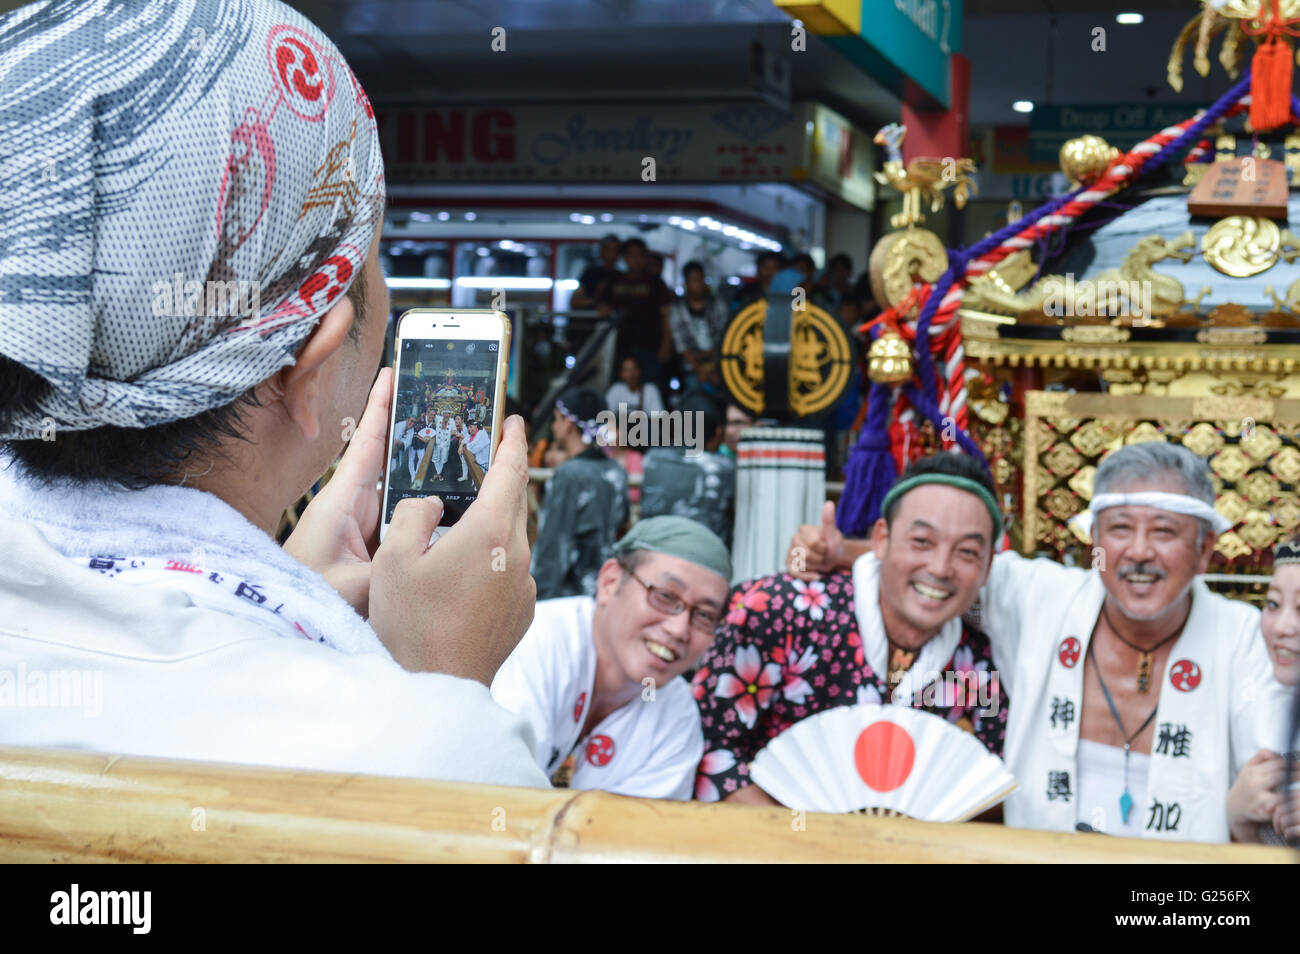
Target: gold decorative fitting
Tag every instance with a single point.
(1146, 431)
(1096, 334)
(1230, 464)
(1094, 437)
(1286, 464)
(1062, 459)
(922, 178)
(1232, 506)
(1258, 530)
(1242, 245)
(1081, 482)
(1287, 512)
(1232, 546)
(890, 359)
(1203, 439)
(901, 259)
(1232, 410)
(1062, 504)
(1259, 487)
(1084, 159)
(1261, 444)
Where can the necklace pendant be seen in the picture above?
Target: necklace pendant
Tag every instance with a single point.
(1144, 673)
(1125, 806)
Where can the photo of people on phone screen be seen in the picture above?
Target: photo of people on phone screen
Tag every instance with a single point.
(442, 432)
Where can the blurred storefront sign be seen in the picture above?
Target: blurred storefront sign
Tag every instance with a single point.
(891, 40)
(632, 144)
(1121, 124)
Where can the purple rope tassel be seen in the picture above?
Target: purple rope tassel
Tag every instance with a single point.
(870, 470)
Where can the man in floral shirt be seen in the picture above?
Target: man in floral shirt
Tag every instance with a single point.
(888, 631)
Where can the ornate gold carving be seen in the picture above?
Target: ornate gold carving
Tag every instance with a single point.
(1286, 464)
(900, 259)
(1203, 440)
(1232, 506)
(1232, 408)
(1081, 482)
(1258, 531)
(1242, 245)
(1094, 437)
(1232, 546)
(819, 359)
(921, 178)
(1287, 511)
(1232, 336)
(1261, 444)
(1062, 459)
(1084, 158)
(1062, 504)
(1064, 425)
(1259, 487)
(1003, 471)
(1230, 464)
(1095, 334)
(1145, 431)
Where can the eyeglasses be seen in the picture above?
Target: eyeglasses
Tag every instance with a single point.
(704, 621)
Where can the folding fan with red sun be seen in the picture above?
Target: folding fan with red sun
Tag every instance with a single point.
(884, 760)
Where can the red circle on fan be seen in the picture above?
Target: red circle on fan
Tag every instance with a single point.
(600, 750)
(884, 755)
(1184, 675)
(426, 433)
(1069, 652)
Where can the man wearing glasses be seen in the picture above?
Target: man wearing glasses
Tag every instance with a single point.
(598, 677)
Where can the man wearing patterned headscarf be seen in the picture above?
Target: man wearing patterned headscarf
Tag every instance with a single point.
(191, 314)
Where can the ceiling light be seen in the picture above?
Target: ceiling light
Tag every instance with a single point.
(1023, 106)
(1128, 19)
(443, 216)
(470, 216)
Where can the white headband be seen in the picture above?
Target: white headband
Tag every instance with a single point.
(1174, 503)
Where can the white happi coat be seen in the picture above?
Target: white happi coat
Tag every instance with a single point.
(648, 748)
(442, 444)
(1219, 702)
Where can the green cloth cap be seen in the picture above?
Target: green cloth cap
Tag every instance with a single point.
(679, 537)
(951, 480)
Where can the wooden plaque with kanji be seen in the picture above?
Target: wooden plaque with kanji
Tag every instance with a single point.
(1241, 186)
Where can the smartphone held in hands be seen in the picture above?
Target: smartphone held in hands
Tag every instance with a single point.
(449, 384)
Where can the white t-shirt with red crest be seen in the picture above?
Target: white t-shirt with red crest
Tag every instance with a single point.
(648, 748)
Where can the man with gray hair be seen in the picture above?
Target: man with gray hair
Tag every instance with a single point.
(1139, 693)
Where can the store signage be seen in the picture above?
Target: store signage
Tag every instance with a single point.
(632, 144)
(891, 40)
(1121, 124)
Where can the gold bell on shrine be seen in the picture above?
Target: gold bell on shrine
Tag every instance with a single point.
(890, 359)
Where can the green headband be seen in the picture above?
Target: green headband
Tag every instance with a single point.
(952, 480)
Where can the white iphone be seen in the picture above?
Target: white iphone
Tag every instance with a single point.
(449, 386)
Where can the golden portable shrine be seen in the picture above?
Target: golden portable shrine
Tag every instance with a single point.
(1157, 300)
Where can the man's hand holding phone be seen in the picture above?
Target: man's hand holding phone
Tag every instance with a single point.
(460, 606)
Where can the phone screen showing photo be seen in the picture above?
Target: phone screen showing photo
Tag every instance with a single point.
(442, 430)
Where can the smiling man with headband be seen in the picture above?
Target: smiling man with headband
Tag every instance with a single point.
(888, 632)
(1139, 693)
(598, 676)
(159, 159)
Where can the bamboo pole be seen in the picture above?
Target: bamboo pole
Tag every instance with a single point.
(64, 806)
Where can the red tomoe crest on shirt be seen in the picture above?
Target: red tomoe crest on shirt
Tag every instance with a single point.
(581, 704)
(600, 750)
(1069, 652)
(1184, 675)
